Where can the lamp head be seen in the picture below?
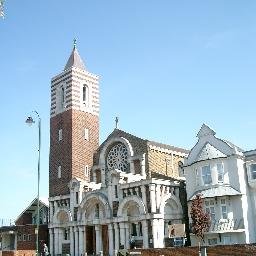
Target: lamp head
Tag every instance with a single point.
(30, 121)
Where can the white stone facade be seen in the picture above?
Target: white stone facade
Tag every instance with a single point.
(124, 202)
(220, 172)
(105, 216)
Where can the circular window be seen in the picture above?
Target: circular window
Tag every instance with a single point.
(117, 158)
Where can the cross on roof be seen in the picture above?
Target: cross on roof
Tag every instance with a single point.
(117, 120)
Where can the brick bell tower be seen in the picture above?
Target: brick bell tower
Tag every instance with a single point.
(74, 124)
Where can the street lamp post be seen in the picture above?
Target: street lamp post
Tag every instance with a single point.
(31, 121)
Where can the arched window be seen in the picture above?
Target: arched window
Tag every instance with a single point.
(62, 96)
(85, 95)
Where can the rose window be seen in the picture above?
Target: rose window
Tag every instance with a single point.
(117, 158)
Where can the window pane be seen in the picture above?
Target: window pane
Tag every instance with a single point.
(220, 172)
(212, 241)
(253, 171)
(206, 174)
(224, 212)
(60, 134)
(62, 95)
(59, 172)
(223, 201)
(227, 240)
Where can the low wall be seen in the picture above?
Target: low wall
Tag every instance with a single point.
(18, 253)
(219, 250)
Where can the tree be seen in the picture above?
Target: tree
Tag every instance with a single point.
(2, 8)
(201, 220)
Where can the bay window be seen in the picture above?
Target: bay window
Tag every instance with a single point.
(224, 211)
(210, 209)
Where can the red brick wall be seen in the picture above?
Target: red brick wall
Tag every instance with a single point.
(25, 218)
(220, 250)
(83, 150)
(30, 229)
(9, 253)
(60, 153)
(73, 152)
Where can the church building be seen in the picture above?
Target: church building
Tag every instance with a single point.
(123, 193)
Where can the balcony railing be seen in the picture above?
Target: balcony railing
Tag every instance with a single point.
(224, 225)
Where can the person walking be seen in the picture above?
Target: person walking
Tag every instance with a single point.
(45, 249)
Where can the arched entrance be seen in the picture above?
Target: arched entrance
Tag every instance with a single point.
(94, 212)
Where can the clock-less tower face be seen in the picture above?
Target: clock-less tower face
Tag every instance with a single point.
(117, 158)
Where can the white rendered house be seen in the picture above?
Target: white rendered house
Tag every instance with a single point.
(220, 171)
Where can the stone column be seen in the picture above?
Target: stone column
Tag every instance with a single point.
(98, 238)
(130, 192)
(122, 234)
(161, 233)
(56, 241)
(143, 169)
(132, 167)
(177, 192)
(145, 233)
(127, 236)
(71, 241)
(85, 248)
(94, 176)
(51, 211)
(101, 241)
(110, 239)
(76, 241)
(51, 242)
(125, 192)
(155, 233)
(103, 177)
(152, 190)
(138, 228)
(81, 240)
(137, 191)
(116, 236)
(158, 196)
(143, 192)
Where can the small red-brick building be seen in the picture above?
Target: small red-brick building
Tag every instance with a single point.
(20, 239)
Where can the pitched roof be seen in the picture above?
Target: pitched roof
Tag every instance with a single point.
(33, 206)
(75, 60)
(233, 145)
(165, 146)
(209, 152)
(216, 192)
(205, 130)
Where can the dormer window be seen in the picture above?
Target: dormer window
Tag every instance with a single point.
(206, 175)
(253, 171)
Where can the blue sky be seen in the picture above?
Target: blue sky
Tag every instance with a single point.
(165, 68)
